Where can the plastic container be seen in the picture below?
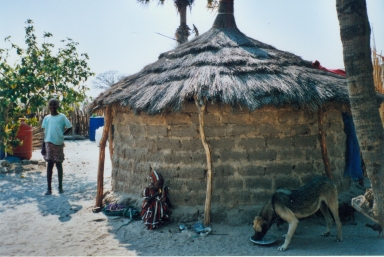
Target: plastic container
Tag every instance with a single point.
(198, 227)
(25, 134)
(95, 123)
(12, 159)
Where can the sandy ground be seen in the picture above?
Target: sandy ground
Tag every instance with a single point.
(64, 224)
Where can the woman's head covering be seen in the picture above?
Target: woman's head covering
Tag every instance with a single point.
(157, 177)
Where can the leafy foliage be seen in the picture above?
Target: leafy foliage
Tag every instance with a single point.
(40, 73)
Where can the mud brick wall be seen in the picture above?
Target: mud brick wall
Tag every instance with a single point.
(253, 153)
(381, 111)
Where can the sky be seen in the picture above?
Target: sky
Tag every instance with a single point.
(122, 35)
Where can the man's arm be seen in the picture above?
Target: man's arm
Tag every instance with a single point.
(66, 130)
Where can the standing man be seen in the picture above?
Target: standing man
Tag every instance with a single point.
(54, 125)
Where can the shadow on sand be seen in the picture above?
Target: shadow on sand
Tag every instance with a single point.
(29, 187)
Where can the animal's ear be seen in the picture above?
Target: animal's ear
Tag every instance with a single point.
(257, 224)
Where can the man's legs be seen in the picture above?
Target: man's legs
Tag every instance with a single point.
(49, 178)
(59, 167)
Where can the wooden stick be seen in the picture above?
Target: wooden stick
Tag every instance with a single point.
(323, 144)
(208, 196)
(100, 171)
(110, 142)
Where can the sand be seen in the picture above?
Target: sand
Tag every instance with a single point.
(64, 224)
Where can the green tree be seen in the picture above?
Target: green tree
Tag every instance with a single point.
(40, 73)
(355, 36)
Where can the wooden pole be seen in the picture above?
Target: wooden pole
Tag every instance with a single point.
(110, 142)
(100, 170)
(208, 196)
(323, 143)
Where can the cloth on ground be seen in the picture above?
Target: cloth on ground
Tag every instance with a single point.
(120, 210)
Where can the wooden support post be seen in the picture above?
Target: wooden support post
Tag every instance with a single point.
(100, 170)
(110, 136)
(323, 143)
(110, 142)
(208, 196)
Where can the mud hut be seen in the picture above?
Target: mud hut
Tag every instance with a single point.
(227, 120)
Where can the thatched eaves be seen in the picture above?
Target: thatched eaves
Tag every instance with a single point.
(224, 65)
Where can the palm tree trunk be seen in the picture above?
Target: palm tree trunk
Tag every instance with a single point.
(182, 32)
(355, 37)
(183, 15)
(225, 17)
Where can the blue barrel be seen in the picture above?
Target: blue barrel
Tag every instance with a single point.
(95, 123)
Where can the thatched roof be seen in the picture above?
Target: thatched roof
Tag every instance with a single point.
(224, 65)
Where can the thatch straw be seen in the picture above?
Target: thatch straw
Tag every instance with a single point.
(378, 73)
(224, 65)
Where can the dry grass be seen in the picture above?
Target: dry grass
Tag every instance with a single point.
(378, 72)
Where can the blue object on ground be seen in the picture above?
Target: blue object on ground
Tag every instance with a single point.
(95, 123)
(182, 227)
(12, 159)
(198, 227)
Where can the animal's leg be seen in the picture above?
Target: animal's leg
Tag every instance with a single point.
(334, 207)
(292, 225)
(328, 219)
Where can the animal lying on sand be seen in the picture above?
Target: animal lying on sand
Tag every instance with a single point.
(293, 205)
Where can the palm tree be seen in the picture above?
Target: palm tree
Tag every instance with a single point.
(355, 36)
(182, 32)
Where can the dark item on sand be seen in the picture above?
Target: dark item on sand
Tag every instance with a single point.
(121, 210)
(375, 227)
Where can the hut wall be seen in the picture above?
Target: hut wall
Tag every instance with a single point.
(381, 111)
(253, 153)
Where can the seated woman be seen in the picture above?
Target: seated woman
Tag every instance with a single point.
(156, 207)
